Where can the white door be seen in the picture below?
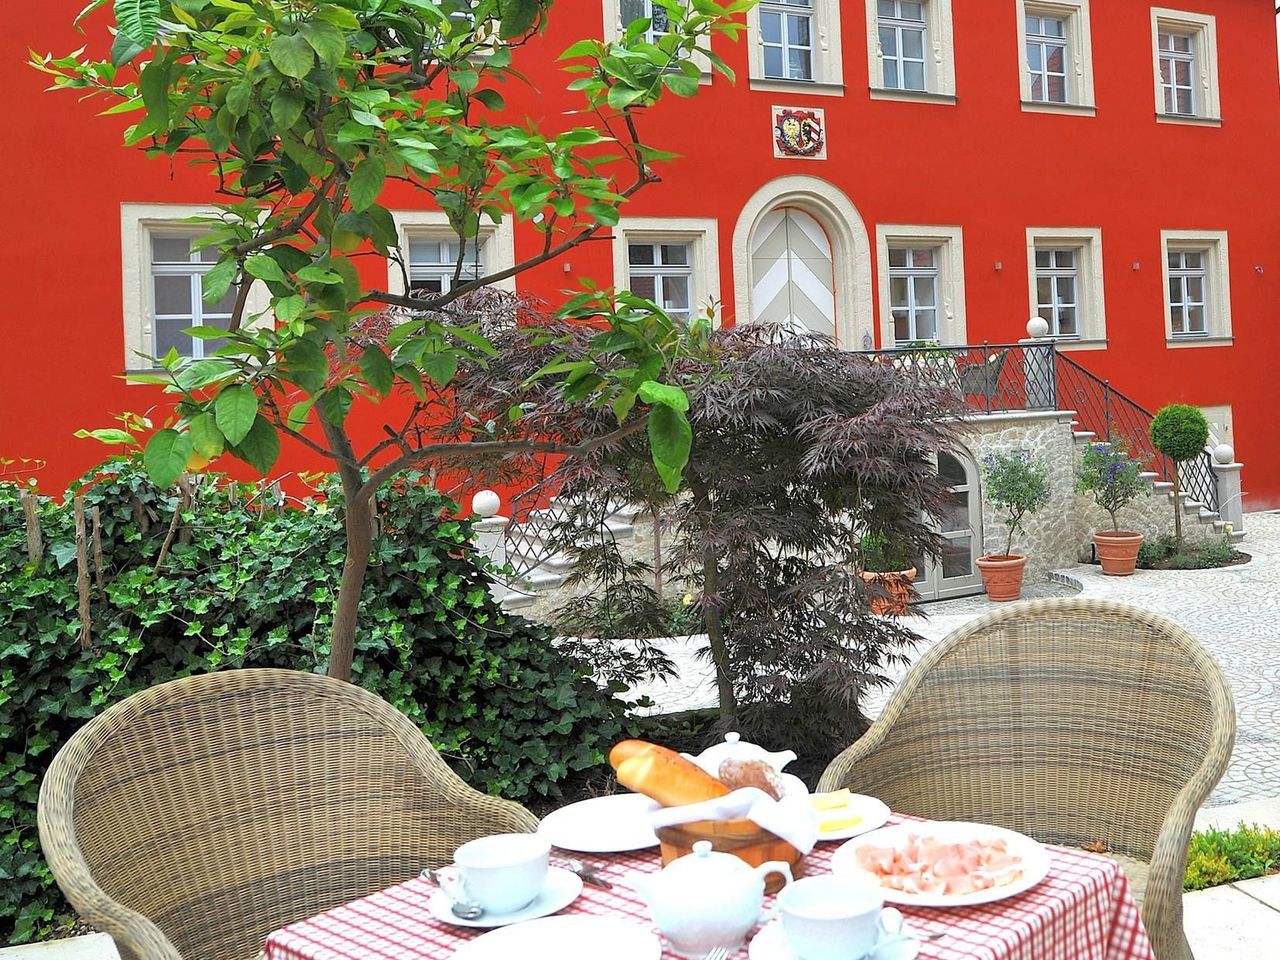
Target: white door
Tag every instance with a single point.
(955, 572)
(792, 277)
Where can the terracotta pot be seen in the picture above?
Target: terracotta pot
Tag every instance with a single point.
(1002, 576)
(891, 594)
(1117, 551)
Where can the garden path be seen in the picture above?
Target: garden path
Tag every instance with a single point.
(1233, 611)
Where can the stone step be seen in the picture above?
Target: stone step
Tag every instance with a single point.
(1163, 486)
(539, 578)
(526, 558)
(1083, 436)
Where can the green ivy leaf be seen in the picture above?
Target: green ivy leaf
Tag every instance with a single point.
(260, 447)
(234, 411)
(291, 55)
(166, 456)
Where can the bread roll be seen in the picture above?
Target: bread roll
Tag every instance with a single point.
(736, 774)
(669, 778)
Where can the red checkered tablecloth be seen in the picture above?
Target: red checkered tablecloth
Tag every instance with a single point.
(1083, 910)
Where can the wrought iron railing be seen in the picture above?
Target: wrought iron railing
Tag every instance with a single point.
(1102, 410)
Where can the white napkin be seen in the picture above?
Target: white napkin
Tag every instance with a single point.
(792, 818)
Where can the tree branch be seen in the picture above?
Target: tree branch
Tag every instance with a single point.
(292, 227)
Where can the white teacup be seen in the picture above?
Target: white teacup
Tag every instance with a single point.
(503, 873)
(835, 918)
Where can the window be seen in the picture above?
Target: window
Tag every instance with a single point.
(921, 285)
(913, 293)
(673, 262)
(910, 49)
(796, 42)
(786, 36)
(430, 251)
(1185, 66)
(1197, 287)
(163, 284)
(663, 273)
(1065, 276)
(1058, 290)
(433, 263)
(633, 10)
(902, 31)
(1057, 65)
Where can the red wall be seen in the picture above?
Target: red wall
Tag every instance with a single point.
(983, 164)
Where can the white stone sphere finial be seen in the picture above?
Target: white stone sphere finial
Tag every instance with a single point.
(1224, 453)
(485, 504)
(1037, 328)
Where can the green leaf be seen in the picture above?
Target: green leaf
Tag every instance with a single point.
(335, 404)
(109, 435)
(260, 447)
(307, 365)
(217, 281)
(517, 17)
(286, 107)
(289, 309)
(680, 85)
(326, 40)
(124, 48)
(377, 371)
(292, 55)
(239, 96)
(366, 183)
(440, 367)
(265, 268)
(234, 411)
(166, 456)
(154, 85)
(206, 438)
(670, 439)
(299, 414)
(139, 19)
(660, 393)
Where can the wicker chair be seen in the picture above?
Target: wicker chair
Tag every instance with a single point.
(193, 818)
(1074, 721)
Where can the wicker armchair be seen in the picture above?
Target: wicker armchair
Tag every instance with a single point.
(1074, 721)
(192, 819)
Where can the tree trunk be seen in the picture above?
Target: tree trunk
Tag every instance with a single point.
(711, 612)
(358, 527)
(1177, 508)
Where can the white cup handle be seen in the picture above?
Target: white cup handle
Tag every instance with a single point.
(891, 921)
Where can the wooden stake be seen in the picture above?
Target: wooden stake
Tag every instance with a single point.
(82, 574)
(98, 570)
(35, 541)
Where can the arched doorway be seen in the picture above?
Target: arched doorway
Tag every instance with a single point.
(802, 256)
(792, 273)
(959, 523)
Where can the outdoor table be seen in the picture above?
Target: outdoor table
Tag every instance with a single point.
(1083, 910)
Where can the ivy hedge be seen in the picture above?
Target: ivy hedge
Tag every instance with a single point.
(243, 583)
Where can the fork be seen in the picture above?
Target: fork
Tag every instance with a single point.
(718, 953)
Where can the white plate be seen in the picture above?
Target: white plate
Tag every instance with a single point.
(874, 815)
(1035, 861)
(560, 890)
(613, 824)
(771, 944)
(575, 937)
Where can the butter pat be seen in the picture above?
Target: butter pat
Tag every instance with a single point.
(831, 825)
(831, 801)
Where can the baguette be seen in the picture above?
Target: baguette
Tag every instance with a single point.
(626, 749)
(669, 778)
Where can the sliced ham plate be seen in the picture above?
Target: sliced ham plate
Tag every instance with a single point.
(944, 864)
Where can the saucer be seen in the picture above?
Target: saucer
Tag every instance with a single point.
(561, 889)
(771, 944)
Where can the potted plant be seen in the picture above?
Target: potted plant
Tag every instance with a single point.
(888, 571)
(1019, 486)
(1112, 477)
(1180, 432)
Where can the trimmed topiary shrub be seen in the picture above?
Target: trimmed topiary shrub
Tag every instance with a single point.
(243, 584)
(1180, 432)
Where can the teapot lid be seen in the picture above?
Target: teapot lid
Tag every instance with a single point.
(735, 748)
(707, 862)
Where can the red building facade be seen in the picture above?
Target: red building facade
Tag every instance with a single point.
(887, 171)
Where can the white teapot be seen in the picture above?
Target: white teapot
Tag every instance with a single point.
(706, 900)
(735, 748)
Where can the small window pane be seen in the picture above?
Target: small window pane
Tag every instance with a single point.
(1193, 260)
(209, 255)
(170, 249)
(675, 254)
(798, 31)
(1055, 60)
(1175, 319)
(223, 306)
(924, 291)
(1195, 320)
(885, 8)
(889, 41)
(771, 27)
(1043, 257)
(1044, 290)
(1182, 73)
(913, 44)
(955, 512)
(640, 254)
(898, 258)
(168, 334)
(913, 76)
(951, 470)
(1065, 259)
(957, 558)
(773, 62)
(173, 296)
(800, 65)
(1066, 290)
(901, 327)
(1033, 25)
(426, 251)
(676, 293)
(646, 287)
(911, 11)
(1067, 322)
(922, 257)
(926, 325)
(898, 291)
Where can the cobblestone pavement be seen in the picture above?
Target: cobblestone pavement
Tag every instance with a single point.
(1233, 611)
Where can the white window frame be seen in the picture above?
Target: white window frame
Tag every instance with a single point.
(1203, 30)
(138, 221)
(1080, 91)
(497, 241)
(701, 234)
(828, 59)
(1213, 243)
(949, 242)
(614, 28)
(940, 65)
(1091, 307)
